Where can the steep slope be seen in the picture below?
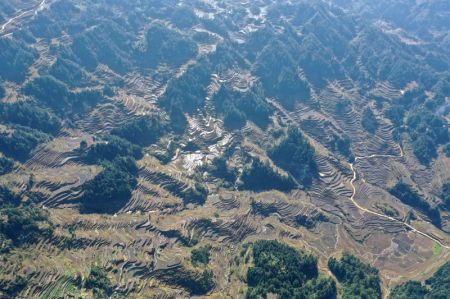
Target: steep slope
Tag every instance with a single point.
(134, 134)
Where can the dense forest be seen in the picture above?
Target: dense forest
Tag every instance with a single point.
(260, 176)
(30, 115)
(239, 107)
(201, 255)
(143, 131)
(369, 121)
(436, 287)
(25, 223)
(6, 165)
(427, 132)
(149, 140)
(20, 142)
(295, 155)
(282, 270)
(111, 189)
(99, 282)
(408, 196)
(446, 195)
(358, 280)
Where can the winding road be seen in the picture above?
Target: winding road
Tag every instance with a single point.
(275, 104)
(352, 198)
(31, 11)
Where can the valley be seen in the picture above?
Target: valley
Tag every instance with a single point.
(155, 149)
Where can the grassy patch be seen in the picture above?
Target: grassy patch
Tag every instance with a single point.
(437, 249)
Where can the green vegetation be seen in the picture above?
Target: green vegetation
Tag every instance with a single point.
(369, 121)
(220, 169)
(342, 107)
(260, 176)
(359, 280)
(20, 224)
(6, 165)
(238, 107)
(142, 131)
(446, 194)
(204, 284)
(396, 114)
(295, 155)
(341, 145)
(54, 94)
(167, 46)
(196, 194)
(408, 196)
(447, 150)
(387, 209)
(436, 287)
(233, 118)
(30, 115)
(279, 74)
(111, 189)
(15, 59)
(201, 255)
(439, 283)
(409, 290)
(11, 289)
(186, 94)
(310, 222)
(437, 249)
(111, 148)
(69, 72)
(21, 142)
(99, 282)
(184, 18)
(427, 132)
(2, 90)
(107, 43)
(289, 273)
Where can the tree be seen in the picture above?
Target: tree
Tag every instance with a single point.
(142, 131)
(295, 155)
(369, 121)
(111, 189)
(220, 169)
(408, 196)
(409, 290)
(427, 131)
(439, 283)
(204, 284)
(6, 165)
(29, 114)
(99, 282)
(111, 148)
(22, 224)
(260, 176)
(233, 118)
(287, 272)
(83, 146)
(2, 90)
(446, 194)
(359, 280)
(201, 255)
(21, 142)
(436, 287)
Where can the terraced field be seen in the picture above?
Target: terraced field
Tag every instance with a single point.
(182, 199)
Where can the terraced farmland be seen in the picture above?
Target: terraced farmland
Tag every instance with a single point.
(168, 109)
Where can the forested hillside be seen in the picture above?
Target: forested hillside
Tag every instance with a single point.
(232, 149)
